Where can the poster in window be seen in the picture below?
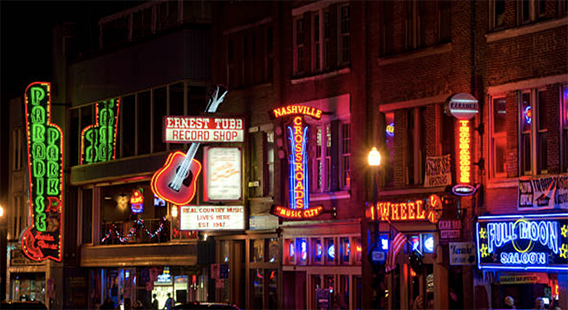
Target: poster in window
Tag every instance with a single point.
(438, 171)
(543, 193)
(223, 174)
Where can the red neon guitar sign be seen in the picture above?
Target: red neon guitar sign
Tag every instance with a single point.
(174, 182)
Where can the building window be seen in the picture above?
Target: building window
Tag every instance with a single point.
(323, 157)
(344, 34)
(387, 28)
(529, 11)
(18, 148)
(497, 14)
(533, 131)
(388, 165)
(262, 164)
(345, 155)
(317, 46)
(414, 154)
(499, 137)
(564, 119)
(426, 23)
(299, 46)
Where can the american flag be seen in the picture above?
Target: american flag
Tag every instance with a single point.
(396, 244)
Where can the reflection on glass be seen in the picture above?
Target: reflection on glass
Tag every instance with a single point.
(258, 284)
(258, 250)
(318, 251)
(302, 249)
(330, 250)
(272, 250)
(272, 289)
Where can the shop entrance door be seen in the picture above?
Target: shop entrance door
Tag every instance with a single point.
(294, 294)
(421, 287)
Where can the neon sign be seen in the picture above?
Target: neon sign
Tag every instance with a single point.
(526, 242)
(390, 130)
(298, 187)
(137, 201)
(296, 110)
(464, 165)
(98, 141)
(419, 210)
(42, 239)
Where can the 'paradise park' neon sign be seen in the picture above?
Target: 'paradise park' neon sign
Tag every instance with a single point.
(98, 141)
(464, 165)
(298, 176)
(42, 239)
(524, 242)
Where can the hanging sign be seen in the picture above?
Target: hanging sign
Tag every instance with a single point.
(462, 106)
(462, 253)
(223, 173)
(298, 171)
(98, 141)
(438, 171)
(418, 210)
(42, 239)
(543, 193)
(523, 242)
(185, 129)
(212, 218)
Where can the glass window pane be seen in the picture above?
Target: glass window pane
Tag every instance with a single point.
(302, 250)
(128, 127)
(225, 251)
(343, 300)
(257, 276)
(389, 156)
(358, 249)
(499, 115)
(197, 100)
(345, 250)
(257, 249)
(176, 107)
(542, 111)
(273, 289)
(290, 251)
(143, 120)
(526, 111)
(75, 143)
(273, 250)
(87, 205)
(160, 110)
(87, 119)
(526, 154)
(317, 248)
(542, 153)
(500, 154)
(330, 250)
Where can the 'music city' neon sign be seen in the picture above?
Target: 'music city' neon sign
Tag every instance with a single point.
(98, 141)
(523, 242)
(42, 239)
(464, 152)
(298, 163)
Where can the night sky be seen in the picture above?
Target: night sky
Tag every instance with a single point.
(25, 48)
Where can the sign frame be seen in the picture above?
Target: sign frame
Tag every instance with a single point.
(210, 217)
(207, 171)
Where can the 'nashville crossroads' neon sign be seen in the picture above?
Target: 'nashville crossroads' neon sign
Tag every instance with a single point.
(298, 164)
(98, 141)
(42, 239)
(523, 242)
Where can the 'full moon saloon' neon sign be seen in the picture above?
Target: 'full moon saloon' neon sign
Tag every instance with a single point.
(298, 174)
(42, 239)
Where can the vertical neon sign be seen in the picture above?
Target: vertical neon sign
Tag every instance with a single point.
(464, 152)
(98, 141)
(42, 239)
(298, 173)
(299, 191)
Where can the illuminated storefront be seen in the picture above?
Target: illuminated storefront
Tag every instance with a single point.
(527, 252)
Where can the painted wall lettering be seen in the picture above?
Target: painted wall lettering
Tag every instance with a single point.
(42, 239)
(98, 141)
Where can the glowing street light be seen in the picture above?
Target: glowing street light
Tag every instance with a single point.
(374, 157)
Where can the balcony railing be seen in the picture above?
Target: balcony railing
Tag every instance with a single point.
(135, 232)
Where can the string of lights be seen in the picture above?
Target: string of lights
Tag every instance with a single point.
(138, 225)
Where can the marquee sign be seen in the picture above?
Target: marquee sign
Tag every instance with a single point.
(42, 239)
(212, 218)
(184, 129)
(523, 242)
(98, 141)
(298, 172)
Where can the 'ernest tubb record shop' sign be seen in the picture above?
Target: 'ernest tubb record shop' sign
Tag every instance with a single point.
(523, 242)
(297, 141)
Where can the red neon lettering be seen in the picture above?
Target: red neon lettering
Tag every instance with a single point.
(464, 152)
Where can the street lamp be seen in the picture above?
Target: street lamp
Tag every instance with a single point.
(374, 159)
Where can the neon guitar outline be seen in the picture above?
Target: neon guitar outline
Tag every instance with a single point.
(174, 182)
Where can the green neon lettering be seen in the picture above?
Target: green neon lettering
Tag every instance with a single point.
(89, 155)
(103, 133)
(40, 186)
(52, 153)
(53, 187)
(39, 204)
(38, 168)
(52, 136)
(38, 132)
(40, 223)
(37, 95)
(38, 151)
(102, 152)
(52, 169)
(38, 115)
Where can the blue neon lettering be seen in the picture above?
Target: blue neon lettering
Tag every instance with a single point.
(525, 258)
(544, 232)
